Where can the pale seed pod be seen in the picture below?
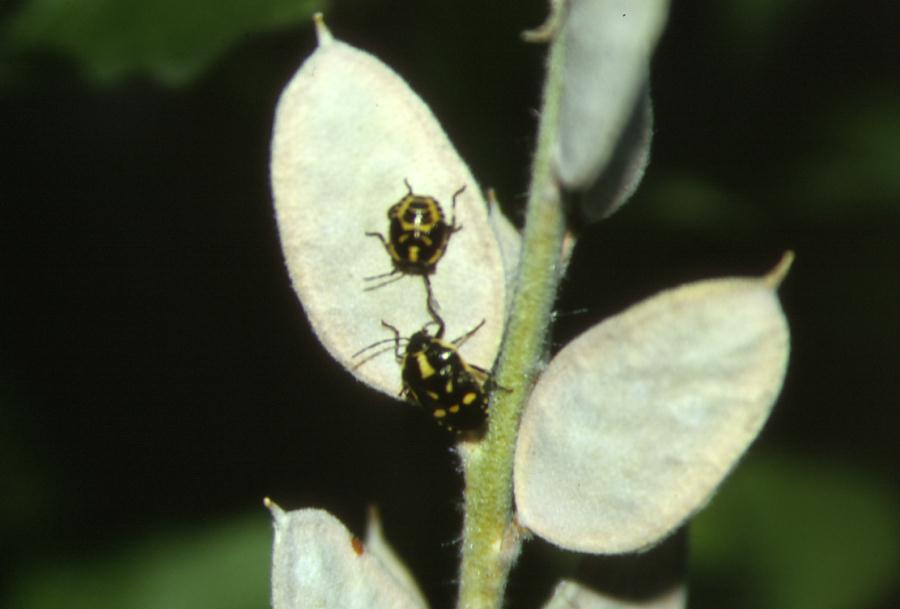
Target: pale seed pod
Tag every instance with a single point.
(635, 423)
(348, 131)
(623, 174)
(570, 594)
(605, 123)
(317, 562)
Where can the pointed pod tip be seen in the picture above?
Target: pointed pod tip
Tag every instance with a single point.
(374, 530)
(277, 513)
(493, 204)
(323, 34)
(373, 516)
(774, 277)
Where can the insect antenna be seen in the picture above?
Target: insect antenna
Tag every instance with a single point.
(462, 339)
(372, 346)
(372, 356)
(396, 340)
(394, 275)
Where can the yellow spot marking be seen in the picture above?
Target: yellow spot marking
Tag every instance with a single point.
(454, 409)
(414, 253)
(449, 387)
(432, 395)
(439, 413)
(469, 398)
(425, 369)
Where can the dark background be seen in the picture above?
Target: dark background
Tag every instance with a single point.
(158, 376)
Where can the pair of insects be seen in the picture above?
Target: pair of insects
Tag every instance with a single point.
(433, 373)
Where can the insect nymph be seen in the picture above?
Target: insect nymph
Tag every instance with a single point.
(418, 236)
(436, 377)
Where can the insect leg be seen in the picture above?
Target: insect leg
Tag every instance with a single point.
(453, 226)
(431, 303)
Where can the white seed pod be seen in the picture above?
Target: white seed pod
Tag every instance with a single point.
(348, 131)
(625, 170)
(317, 562)
(635, 423)
(570, 594)
(608, 46)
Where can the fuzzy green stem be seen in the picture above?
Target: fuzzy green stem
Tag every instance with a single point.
(491, 540)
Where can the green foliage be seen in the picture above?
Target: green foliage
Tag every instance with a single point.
(224, 567)
(758, 21)
(790, 534)
(684, 200)
(855, 168)
(847, 173)
(171, 40)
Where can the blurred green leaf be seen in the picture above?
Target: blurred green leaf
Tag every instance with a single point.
(170, 39)
(689, 201)
(224, 567)
(785, 533)
(758, 22)
(856, 165)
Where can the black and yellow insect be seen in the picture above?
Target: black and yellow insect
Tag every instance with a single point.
(418, 236)
(436, 377)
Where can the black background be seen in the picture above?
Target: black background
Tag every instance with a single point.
(156, 368)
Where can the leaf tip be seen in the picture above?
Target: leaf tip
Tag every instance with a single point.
(277, 513)
(774, 277)
(323, 34)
